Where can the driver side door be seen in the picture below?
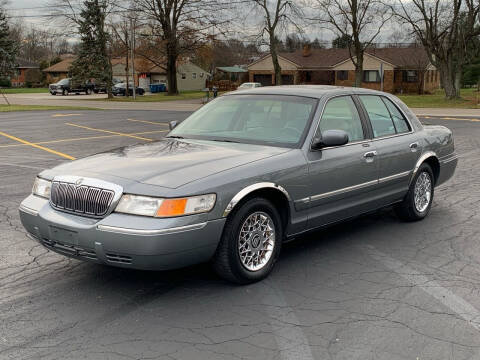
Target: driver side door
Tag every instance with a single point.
(343, 180)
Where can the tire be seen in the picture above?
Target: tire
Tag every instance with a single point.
(53, 93)
(227, 260)
(96, 91)
(64, 92)
(408, 209)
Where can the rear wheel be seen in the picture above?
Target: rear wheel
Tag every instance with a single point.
(418, 201)
(251, 242)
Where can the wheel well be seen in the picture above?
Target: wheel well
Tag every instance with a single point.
(278, 199)
(435, 165)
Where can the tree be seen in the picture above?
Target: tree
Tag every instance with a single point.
(342, 42)
(277, 16)
(445, 28)
(180, 26)
(358, 20)
(93, 61)
(8, 49)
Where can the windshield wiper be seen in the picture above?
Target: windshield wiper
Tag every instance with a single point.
(175, 137)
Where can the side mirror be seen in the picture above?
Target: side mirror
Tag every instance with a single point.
(172, 124)
(330, 138)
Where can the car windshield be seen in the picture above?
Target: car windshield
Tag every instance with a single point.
(255, 119)
(63, 82)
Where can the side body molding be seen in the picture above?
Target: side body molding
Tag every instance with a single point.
(245, 191)
(420, 161)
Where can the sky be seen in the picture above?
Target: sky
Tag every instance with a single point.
(16, 7)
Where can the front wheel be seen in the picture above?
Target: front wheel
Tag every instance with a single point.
(251, 242)
(418, 201)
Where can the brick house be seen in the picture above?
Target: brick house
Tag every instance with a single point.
(405, 70)
(58, 71)
(18, 77)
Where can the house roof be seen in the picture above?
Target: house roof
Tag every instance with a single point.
(326, 58)
(26, 64)
(62, 66)
(232, 69)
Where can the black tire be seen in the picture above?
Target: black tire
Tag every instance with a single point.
(53, 93)
(96, 91)
(227, 262)
(406, 210)
(64, 92)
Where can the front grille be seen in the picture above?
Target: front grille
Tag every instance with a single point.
(83, 200)
(70, 249)
(123, 259)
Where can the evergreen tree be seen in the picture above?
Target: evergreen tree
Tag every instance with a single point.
(93, 61)
(342, 42)
(8, 49)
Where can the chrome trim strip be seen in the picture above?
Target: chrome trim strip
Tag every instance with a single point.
(28, 210)
(173, 230)
(452, 158)
(420, 161)
(394, 177)
(244, 192)
(343, 190)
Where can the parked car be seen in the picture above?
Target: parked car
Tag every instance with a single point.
(100, 88)
(249, 85)
(240, 176)
(67, 86)
(121, 89)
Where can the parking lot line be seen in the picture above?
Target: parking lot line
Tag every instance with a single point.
(110, 132)
(62, 115)
(66, 156)
(148, 122)
(82, 138)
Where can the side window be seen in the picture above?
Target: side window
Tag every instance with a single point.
(341, 114)
(380, 119)
(401, 124)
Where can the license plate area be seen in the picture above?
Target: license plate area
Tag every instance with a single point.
(63, 236)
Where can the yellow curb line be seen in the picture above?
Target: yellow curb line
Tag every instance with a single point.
(109, 132)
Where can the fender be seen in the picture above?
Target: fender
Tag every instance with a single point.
(420, 161)
(245, 191)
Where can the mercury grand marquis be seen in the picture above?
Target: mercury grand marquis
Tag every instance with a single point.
(240, 176)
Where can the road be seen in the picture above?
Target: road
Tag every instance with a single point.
(371, 288)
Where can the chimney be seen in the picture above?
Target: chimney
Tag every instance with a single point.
(306, 50)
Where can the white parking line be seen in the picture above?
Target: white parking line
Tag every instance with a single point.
(291, 341)
(454, 302)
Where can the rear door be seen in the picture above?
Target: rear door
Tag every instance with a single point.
(396, 143)
(342, 179)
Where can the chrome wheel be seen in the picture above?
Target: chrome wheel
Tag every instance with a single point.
(256, 241)
(423, 192)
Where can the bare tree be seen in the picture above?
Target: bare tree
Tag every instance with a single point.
(277, 16)
(445, 28)
(180, 27)
(359, 20)
(121, 45)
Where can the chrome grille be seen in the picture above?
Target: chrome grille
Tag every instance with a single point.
(82, 199)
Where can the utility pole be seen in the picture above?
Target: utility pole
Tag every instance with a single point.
(132, 42)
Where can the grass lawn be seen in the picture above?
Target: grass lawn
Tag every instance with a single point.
(470, 100)
(8, 108)
(24, 90)
(187, 95)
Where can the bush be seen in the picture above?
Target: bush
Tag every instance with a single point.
(5, 82)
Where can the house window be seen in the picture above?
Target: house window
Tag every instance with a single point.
(201, 75)
(194, 75)
(184, 76)
(410, 76)
(342, 75)
(371, 76)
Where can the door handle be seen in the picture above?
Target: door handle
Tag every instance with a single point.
(414, 146)
(370, 154)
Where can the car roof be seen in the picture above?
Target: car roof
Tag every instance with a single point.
(314, 91)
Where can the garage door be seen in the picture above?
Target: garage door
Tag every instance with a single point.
(264, 79)
(287, 79)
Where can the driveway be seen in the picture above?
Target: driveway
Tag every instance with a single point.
(371, 288)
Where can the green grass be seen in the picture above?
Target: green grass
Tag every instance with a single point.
(470, 99)
(158, 97)
(8, 108)
(24, 90)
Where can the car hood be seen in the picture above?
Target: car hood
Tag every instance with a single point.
(168, 163)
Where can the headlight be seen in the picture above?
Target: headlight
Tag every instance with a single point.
(41, 188)
(149, 206)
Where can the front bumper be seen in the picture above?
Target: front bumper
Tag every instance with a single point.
(123, 240)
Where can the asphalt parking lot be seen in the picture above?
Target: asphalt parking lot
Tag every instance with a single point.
(372, 288)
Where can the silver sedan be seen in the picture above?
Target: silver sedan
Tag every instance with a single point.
(240, 176)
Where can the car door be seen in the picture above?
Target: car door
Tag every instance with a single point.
(396, 143)
(342, 179)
